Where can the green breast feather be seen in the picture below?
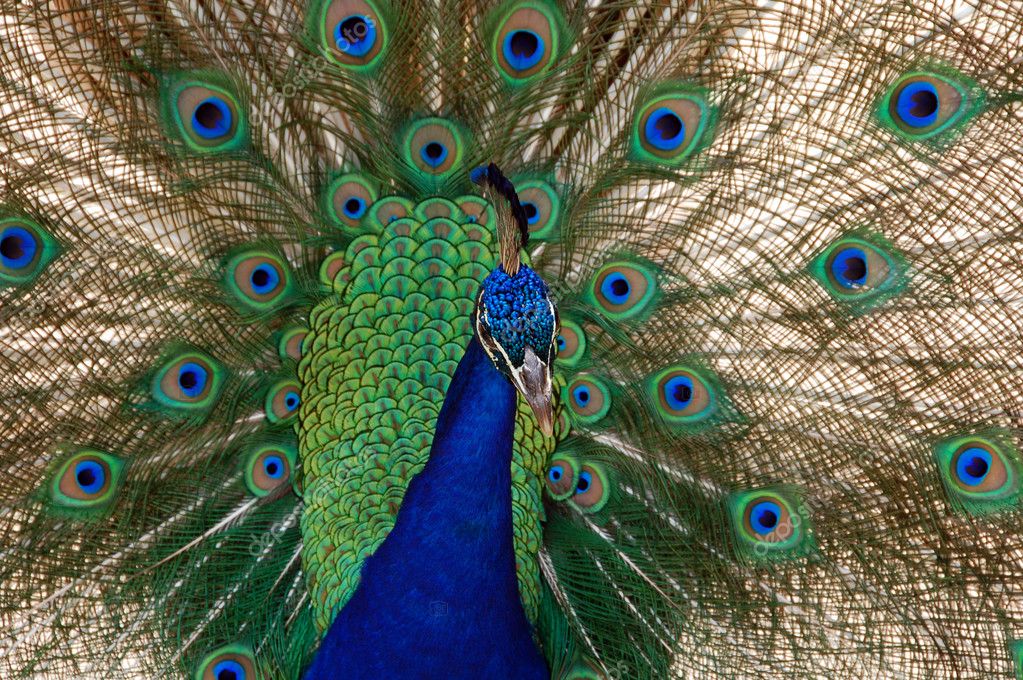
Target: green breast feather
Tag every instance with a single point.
(377, 361)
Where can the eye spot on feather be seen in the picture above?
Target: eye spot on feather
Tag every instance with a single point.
(929, 105)
(542, 207)
(591, 488)
(207, 115)
(258, 280)
(282, 401)
(562, 476)
(88, 479)
(190, 381)
(526, 41)
(290, 344)
(25, 250)
(234, 662)
(682, 394)
(347, 200)
(980, 473)
(353, 33)
(624, 290)
(588, 399)
(769, 524)
(435, 146)
(671, 124)
(862, 270)
(268, 468)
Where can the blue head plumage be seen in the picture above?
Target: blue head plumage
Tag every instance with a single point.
(516, 321)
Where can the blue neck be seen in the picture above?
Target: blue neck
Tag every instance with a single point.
(439, 598)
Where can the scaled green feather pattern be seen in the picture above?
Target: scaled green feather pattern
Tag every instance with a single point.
(380, 353)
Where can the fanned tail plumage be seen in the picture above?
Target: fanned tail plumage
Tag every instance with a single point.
(240, 252)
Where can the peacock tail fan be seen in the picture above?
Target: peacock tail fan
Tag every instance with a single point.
(239, 251)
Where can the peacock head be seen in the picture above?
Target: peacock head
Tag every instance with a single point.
(516, 321)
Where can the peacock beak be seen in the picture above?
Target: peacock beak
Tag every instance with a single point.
(533, 381)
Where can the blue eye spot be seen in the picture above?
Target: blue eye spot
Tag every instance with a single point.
(192, 379)
(555, 474)
(918, 104)
(764, 517)
(585, 479)
(434, 153)
(678, 392)
(523, 49)
(17, 248)
(229, 670)
(561, 343)
(973, 465)
(90, 476)
(212, 118)
(291, 401)
(355, 35)
(849, 267)
(664, 129)
(355, 208)
(581, 395)
(532, 213)
(616, 288)
(274, 467)
(264, 279)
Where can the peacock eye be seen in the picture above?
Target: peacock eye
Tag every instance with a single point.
(624, 290)
(25, 250)
(562, 475)
(525, 41)
(862, 271)
(353, 34)
(926, 105)
(208, 116)
(683, 395)
(234, 662)
(290, 343)
(191, 381)
(434, 146)
(348, 198)
(542, 207)
(980, 473)
(588, 399)
(670, 125)
(88, 479)
(767, 524)
(258, 280)
(591, 488)
(268, 468)
(571, 343)
(282, 401)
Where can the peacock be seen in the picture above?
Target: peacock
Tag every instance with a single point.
(604, 340)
